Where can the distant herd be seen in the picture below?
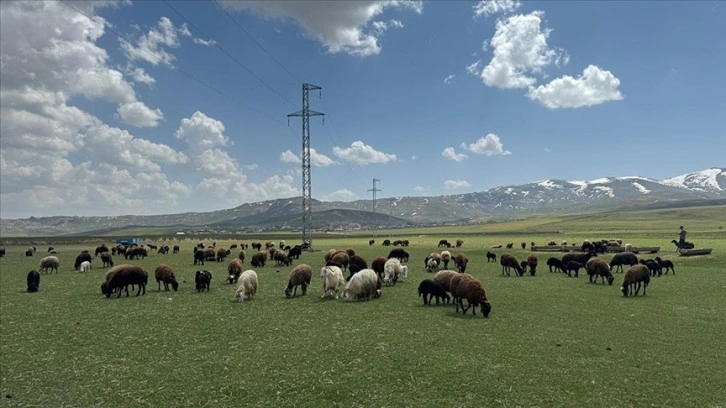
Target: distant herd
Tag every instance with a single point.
(361, 282)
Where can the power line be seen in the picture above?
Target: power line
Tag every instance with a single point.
(216, 44)
(181, 71)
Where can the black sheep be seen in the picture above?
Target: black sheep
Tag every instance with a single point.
(491, 257)
(572, 266)
(199, 257)
(202, 280)
(84, 256)
(665, 264)
(430, 289)
(653, 266)
(555, 264)
(399, 253)
(33, 281)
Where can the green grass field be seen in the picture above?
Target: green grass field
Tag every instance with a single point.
(550, 341)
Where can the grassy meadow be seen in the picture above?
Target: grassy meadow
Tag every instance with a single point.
(550, 341)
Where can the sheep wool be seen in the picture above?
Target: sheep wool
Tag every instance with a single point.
(246, 286)
(333, 281)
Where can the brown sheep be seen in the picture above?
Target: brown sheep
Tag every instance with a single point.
(258, 260)
(443, 278)
(299, 276)
(446, 258)
(633, 278)
(121, 276)
(532, 263)
(459, 243)
(340, 259)
(472, 290)
(597, 267)
(508, 261)
(106, 259)
(241, 255)
(378, 265)
(234, 269)
(165, 273)
(329, 255)
(221, 254)
(461, 261)
(281, 258)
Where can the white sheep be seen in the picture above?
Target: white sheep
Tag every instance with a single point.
(446, 258)
(246, 285)
(432, 265)
(85, 267)
(49, 263)
(628, 248)
(392, 269)
(333, 281)
(363, 285)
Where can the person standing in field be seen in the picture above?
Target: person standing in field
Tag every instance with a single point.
(681, 237)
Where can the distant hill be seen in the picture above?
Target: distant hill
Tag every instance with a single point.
(707, 187)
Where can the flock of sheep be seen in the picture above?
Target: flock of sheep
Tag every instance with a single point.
(361, 282)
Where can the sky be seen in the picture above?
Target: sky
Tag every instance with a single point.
(154, 107)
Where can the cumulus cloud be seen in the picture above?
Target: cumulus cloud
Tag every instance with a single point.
(451, 154)
(489, 145)
(593, 87)
(316, 159)
(362, 154)
(138, 114)
(139, 75)
(520, 51)
(456, 184)
(487, 8)
(341, 26)
(152, 46)
(449, 79)
(474, 68)
(340, 195)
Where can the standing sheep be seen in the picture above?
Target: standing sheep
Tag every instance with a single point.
(202, 280)
(532, 263)
(33, 281)
(246, 286)
(597, 267)
(392, 269)
(461, 261)
(258, 260)
(84, 256)
(121, 276)
(665, 265)
(623, 258)
(554, 264)
(378, 265)
(634, 276)
(508, 261)
(107, 259)
(165, 273)
(432, 265)
(85, 267)
(429, 290)
(472, 290)
(491, 257)
(333, 281)
(443, 279)
(572, 266)
(234, 269)
(363, 285)
(299, 276)
(50, 263)
(446, 258)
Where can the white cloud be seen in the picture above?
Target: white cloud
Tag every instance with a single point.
(450, 153)
(456, 184)
(139, 115)
(419, 189)
(593, 87)
(489, 145)
(487, 8)
(449, 79)
(204, 42)
(139, 75)
(316, 159)
(474, 68)
(520, 51)
(202, 132)
(361, 154)
(341, 26)
(150, 47)
(340, 195)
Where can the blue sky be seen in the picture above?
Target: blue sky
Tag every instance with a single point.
(111, 108)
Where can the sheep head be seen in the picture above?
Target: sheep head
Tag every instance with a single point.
(486, 308)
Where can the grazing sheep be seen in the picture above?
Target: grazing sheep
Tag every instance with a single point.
(581, 257)
(491, 257)
(444, 243)
(85, 267)
(459, 243)
(299, 276)
(472, 290)
(100, 249)
(429, 290)
(392, 269)
(258, 260)
(246, 286)
(665, 264)
(555, 264)
(461, 261)
(371, 241)
(508, 261)
(350, 252)
(357, 263)
(363, 285)
(175, 249)
(165, 273)
(523, 264)
(50, 263)
(340, 259)
(221, 254)
(80, 258)
(121, 276)
(256, 246)
(443, 279)
(432, 265)
(623, 258)
(684, 245)
(597, 267)
(281, 258)
(634, 276)
(387, 242)
(198, 256)
(653, 266)
(333, 281)
(532, 263)
(295, 252)
(510, 245)
(435, 256)
(2, 252)
(378, 265)
(33, 281)
(106, 259)
(524, 245)
(446, 258)
(202, 280)
(399, 253)
(234, 269)
(572, 266)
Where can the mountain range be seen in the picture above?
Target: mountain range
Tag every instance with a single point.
(500, 203)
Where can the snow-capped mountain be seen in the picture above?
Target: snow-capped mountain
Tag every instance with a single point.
(540, 197)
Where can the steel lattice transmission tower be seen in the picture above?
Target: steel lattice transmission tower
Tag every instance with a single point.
(306, 113)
